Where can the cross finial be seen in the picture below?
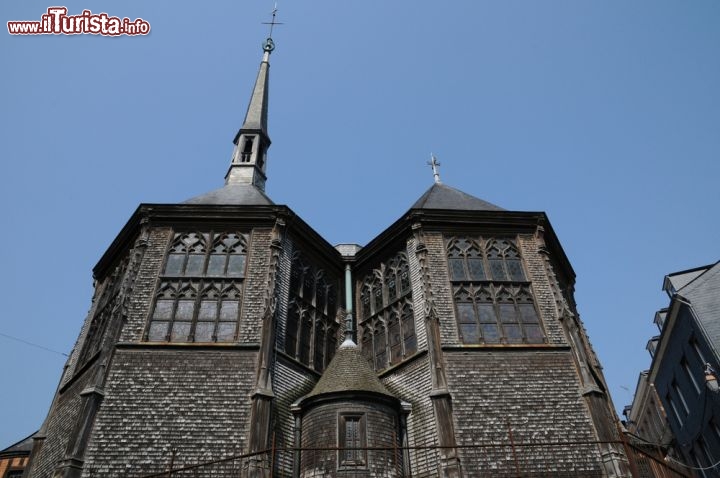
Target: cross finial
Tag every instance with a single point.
(272, 23)
(434, 164)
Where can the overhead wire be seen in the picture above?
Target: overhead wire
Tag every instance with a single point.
(32, 344)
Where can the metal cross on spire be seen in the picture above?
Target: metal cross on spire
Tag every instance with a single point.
(272, 23)
(434, 164)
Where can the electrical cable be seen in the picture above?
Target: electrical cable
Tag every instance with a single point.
(33, 344)
(669, 458)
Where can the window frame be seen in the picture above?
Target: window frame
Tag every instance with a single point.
(179, 288)
(490, 309)
(359, 459)
(312, 306)
(385, 296)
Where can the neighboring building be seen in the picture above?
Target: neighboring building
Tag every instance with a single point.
(216, 325)
(674, 391)
(646, 419)
(14, 458)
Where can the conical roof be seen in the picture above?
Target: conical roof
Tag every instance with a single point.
(257, 112)
(441, 196)
(348, 371)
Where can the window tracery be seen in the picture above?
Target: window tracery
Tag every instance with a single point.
(200, 291)
(388, 323)
(311, 327)
(493, 300)
(106, 307)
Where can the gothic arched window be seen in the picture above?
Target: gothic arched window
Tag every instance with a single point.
(200, 291)
(386, 313)
(407, 321)
(311, 327)
(291, 329)
(493, 300)
(380, 346)
(105, 310)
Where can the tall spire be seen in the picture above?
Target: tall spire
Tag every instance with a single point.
(252, 141)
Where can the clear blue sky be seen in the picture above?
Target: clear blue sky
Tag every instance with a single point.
(604, 114)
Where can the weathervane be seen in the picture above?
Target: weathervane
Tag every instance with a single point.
(434, 164)
(269, 44)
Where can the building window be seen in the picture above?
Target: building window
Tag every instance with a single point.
(698, 352)
(386, 314)
(352, 441)
(200, 291)
(689, 374)
(676, 412)
(681, 396)
(493, 299)
(311, 327)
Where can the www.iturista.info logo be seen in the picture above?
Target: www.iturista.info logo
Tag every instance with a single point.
(57, 22)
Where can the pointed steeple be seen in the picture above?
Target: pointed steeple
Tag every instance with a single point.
(252, 141)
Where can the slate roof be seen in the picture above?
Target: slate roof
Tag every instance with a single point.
(442, 196)
(704, 295)
(233, 194)
(257, 112)
(677, 280)
(348, 371)
(23, 447)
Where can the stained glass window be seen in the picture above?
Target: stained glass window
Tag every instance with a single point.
(386, 312)
(311, 327)
(200, 291)
(493, 300)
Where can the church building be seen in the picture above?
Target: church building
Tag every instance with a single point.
(227, 338)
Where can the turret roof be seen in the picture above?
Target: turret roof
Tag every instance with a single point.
(348, 371)
(442, 196)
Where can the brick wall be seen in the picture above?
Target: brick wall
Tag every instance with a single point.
(12, 464)
(196, 402)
